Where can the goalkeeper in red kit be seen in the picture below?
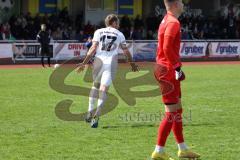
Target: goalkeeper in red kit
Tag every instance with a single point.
(169, 74)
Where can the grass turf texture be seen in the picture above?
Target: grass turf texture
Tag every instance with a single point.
(29, 128)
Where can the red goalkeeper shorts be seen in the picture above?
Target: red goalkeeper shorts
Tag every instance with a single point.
(170, 87)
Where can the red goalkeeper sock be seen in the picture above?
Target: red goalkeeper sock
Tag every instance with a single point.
(177, 127)
(165, 128)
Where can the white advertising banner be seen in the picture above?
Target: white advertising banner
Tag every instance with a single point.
(145, 51)
(224, 49)
(65, 51)
(141, 51)
(6, 50)
(193, 49)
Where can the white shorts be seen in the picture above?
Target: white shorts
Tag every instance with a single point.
(104, 73)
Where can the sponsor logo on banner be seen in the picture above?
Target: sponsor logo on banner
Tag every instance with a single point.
(224, 49)
(6, 50)
(193, 49)
(145, 51)
(28, 50)
(64, 51)
(140, 50)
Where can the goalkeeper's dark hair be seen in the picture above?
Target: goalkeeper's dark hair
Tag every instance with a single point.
(110, 19)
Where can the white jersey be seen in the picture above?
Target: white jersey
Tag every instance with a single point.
(109, 40)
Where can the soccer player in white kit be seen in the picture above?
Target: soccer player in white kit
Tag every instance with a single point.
(105, 44)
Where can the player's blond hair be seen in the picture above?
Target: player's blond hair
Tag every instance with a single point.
(110, 19)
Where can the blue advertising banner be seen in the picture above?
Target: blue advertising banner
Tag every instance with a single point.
(47, 6)
(125, 7)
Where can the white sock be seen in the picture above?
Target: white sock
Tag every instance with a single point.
(159, 149)
(92, 98)
(182, 146)
(91, 104)
(101, 99)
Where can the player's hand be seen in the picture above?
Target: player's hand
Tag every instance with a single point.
(80, 67)
(179, 75)
(134, 67)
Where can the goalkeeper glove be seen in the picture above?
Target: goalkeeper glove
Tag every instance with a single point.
(179, 74)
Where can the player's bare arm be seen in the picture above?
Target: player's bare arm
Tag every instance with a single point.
(89, 55)
(129, 56)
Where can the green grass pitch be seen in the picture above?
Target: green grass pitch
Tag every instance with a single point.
(30, 129)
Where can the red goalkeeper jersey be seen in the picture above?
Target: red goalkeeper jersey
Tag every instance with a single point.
(169, 38)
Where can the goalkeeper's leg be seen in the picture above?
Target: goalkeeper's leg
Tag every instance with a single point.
(183, 150)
